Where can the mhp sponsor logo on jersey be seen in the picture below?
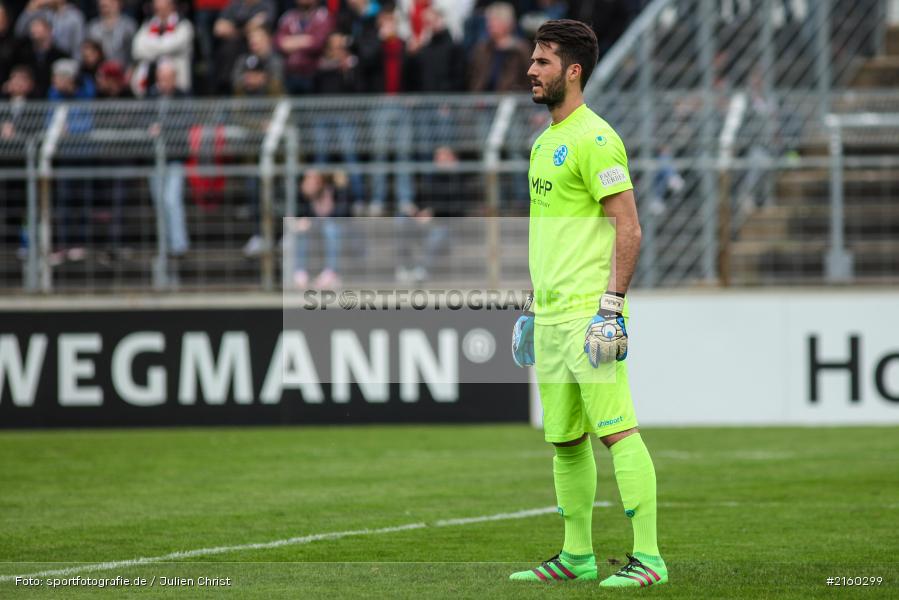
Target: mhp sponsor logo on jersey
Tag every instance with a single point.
(541, 186)
(560, 155)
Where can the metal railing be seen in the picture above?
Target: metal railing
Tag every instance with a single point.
(239, 168)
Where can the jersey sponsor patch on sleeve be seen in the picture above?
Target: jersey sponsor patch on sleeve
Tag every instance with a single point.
(612, 176)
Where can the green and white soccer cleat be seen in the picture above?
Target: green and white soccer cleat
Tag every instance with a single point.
(638, 572)
(560, 568)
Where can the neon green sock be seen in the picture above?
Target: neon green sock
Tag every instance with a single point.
(574, 472)
(636, 477)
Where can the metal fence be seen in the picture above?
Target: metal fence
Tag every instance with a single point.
(188, 194)
(722, 103)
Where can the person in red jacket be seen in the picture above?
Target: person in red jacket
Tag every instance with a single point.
(301, 37)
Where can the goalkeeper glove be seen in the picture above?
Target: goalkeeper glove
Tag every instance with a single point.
(606, 337)
(523, 336)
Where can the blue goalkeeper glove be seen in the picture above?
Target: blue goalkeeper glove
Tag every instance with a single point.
(606, 338)
(523, 337)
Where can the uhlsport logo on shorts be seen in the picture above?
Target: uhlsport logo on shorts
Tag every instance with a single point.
(610, 422)
(560, 155)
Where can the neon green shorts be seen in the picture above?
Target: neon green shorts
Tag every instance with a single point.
(576, 397)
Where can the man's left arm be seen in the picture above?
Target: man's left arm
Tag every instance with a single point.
(622, 207)
(606, 175)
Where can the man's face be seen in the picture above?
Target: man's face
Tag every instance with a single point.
(40, 32)
(498, 27)
(547, 76)
(163, 8)
(64, 83)
(259, 42)
(108, 85)
(108, 7)
(166, 79)
(20, 84)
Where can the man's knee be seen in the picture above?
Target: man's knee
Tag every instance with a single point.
(610, 439)
(579, 440)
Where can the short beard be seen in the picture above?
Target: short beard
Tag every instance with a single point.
(553, 93)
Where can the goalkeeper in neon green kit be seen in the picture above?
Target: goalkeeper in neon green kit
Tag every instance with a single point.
(584, 240)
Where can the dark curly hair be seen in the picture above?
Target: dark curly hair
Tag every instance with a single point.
(576, 44)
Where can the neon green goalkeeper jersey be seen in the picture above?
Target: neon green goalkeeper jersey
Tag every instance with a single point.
(574, 165)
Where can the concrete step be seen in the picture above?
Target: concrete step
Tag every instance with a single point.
(892, 41)
(878, 72)
(804, 186)
(791, 261)
(767, 223)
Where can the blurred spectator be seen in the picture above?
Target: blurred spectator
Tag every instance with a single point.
(337, 74)
(164, 36)
(475, 25)
(260, 55)
(255, 78)
(8, 44)
(413, 23)
(360, 23)
(441, 196)
(171, 186)
(337, 69)
(500, 63)
(436, 63)
(66, 23)
(608, 18)
(666, 183)
(231, 28)
(73, 201)
(91, 59)
(301, 36)
(541, 12)
(111, 82)
(392, 122)
(15, 93)
(393, 53)
(19, 87)
(322, 199)
(114, 31)
(39, 53)
(68, 84)
(205, 14)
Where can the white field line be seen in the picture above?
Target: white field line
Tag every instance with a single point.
(175, 556)
(522, 514)
(306, 539)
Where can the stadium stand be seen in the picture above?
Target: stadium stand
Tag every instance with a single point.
(724, 105)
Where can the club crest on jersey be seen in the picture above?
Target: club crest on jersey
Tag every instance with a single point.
(600, 140)
(560, 155)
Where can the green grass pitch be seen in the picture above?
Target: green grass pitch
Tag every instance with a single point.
(744, 513)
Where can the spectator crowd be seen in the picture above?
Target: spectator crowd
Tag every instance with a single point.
(64, 50)
(114, 48)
